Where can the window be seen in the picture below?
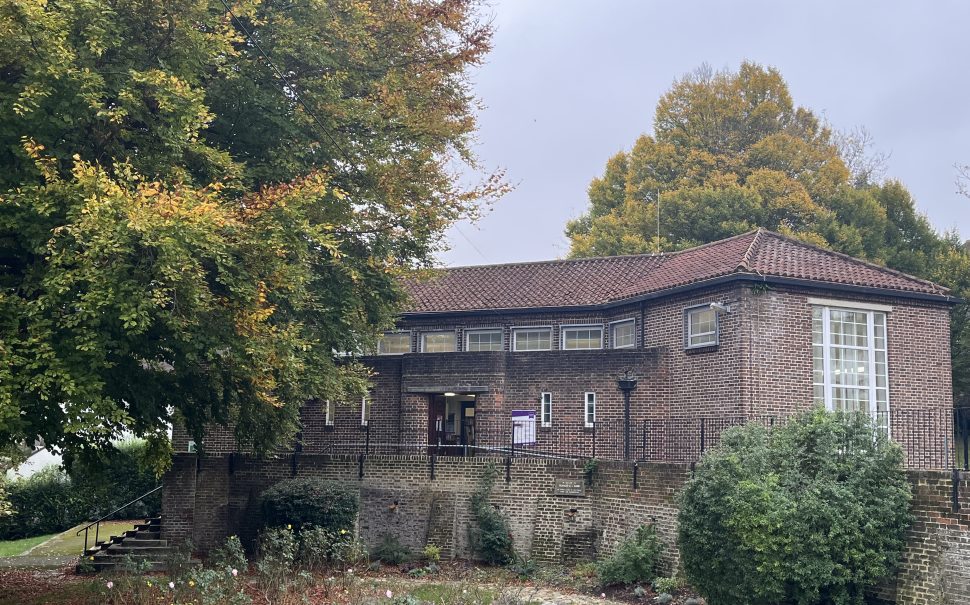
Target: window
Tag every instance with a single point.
(623, 334)
(394, 343)
(582, 337)
(849, 354)
(589, 409)
(365, 411)
(330, 413)
(532, 339)
(483, 340)
(546, 411)
(701, 327)
(438, 342)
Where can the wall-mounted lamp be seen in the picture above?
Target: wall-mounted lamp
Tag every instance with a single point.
(449, 394)
(720, 308)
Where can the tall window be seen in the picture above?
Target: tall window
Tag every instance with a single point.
(532, 339)
(849, 353)
(623, 334)
(582, 337)
(365, 411)
(701, 328)
(589, 409)
(546, 411)
(330, 414)
(438, 342)
(483, 340)
(394, 343)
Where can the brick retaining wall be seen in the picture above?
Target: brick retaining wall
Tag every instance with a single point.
(208, 499)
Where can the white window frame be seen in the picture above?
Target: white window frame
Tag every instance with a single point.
(396, 333)
(545, 409)
(589, 405)
(870, 312)
(613, 325)
(517, 330)
(453, 334)
(498, 331)
(688, 312)
(568, 327)
(365, 409)
(329, 418)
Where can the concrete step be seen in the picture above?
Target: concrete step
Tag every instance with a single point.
(142, 542)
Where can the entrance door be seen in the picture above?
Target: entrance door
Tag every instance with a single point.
(451, 423)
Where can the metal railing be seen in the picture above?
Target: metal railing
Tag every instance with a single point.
(97, 524)
(930, 438)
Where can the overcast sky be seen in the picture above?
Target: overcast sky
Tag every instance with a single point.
(570, 83)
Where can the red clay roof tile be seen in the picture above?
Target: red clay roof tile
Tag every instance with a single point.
(596, 281)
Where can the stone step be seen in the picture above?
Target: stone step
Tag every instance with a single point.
(126, 549)
(108, 564)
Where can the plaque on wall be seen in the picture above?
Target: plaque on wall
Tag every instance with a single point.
(570, 487)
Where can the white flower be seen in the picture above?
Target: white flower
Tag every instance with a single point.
(602, 595)
(389, 594)
(235, 572)
(110, 584)
(171, 584)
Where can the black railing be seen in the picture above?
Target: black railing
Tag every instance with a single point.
(97, 524)
(930, 438)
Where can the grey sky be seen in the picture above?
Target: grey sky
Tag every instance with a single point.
(570, 83)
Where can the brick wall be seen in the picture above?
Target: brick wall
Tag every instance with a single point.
(935, 569)
(761, 367)
(399, 497)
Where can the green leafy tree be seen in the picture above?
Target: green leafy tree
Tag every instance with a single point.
(813, 512)
(731, 152)
(200, 207)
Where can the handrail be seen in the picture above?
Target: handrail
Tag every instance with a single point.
(97, 523)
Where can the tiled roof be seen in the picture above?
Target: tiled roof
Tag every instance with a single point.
(598, 281)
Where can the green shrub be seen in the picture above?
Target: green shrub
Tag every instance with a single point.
(111, 478)
(43, 503)
(811, 512)
(391, 551)
(668, 585)
(53, 499)
(491, 538)
(304, 502)
(635, 559)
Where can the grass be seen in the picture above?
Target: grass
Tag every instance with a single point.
(68, 544)
(64, 544)
(12, 548)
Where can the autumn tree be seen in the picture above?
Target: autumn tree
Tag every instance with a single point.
(205, 203)
(730, 152)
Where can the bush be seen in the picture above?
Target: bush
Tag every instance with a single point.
(112, 478)
(43, 503)
(304, 502)
(635, 559)
(391, 551)
(53, 499)
(491, 539)
(812, 512)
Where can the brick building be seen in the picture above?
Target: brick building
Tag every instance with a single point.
(757, 326)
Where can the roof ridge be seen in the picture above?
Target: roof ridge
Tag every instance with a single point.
(745, 264)
(657, 255)
(860, 261)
